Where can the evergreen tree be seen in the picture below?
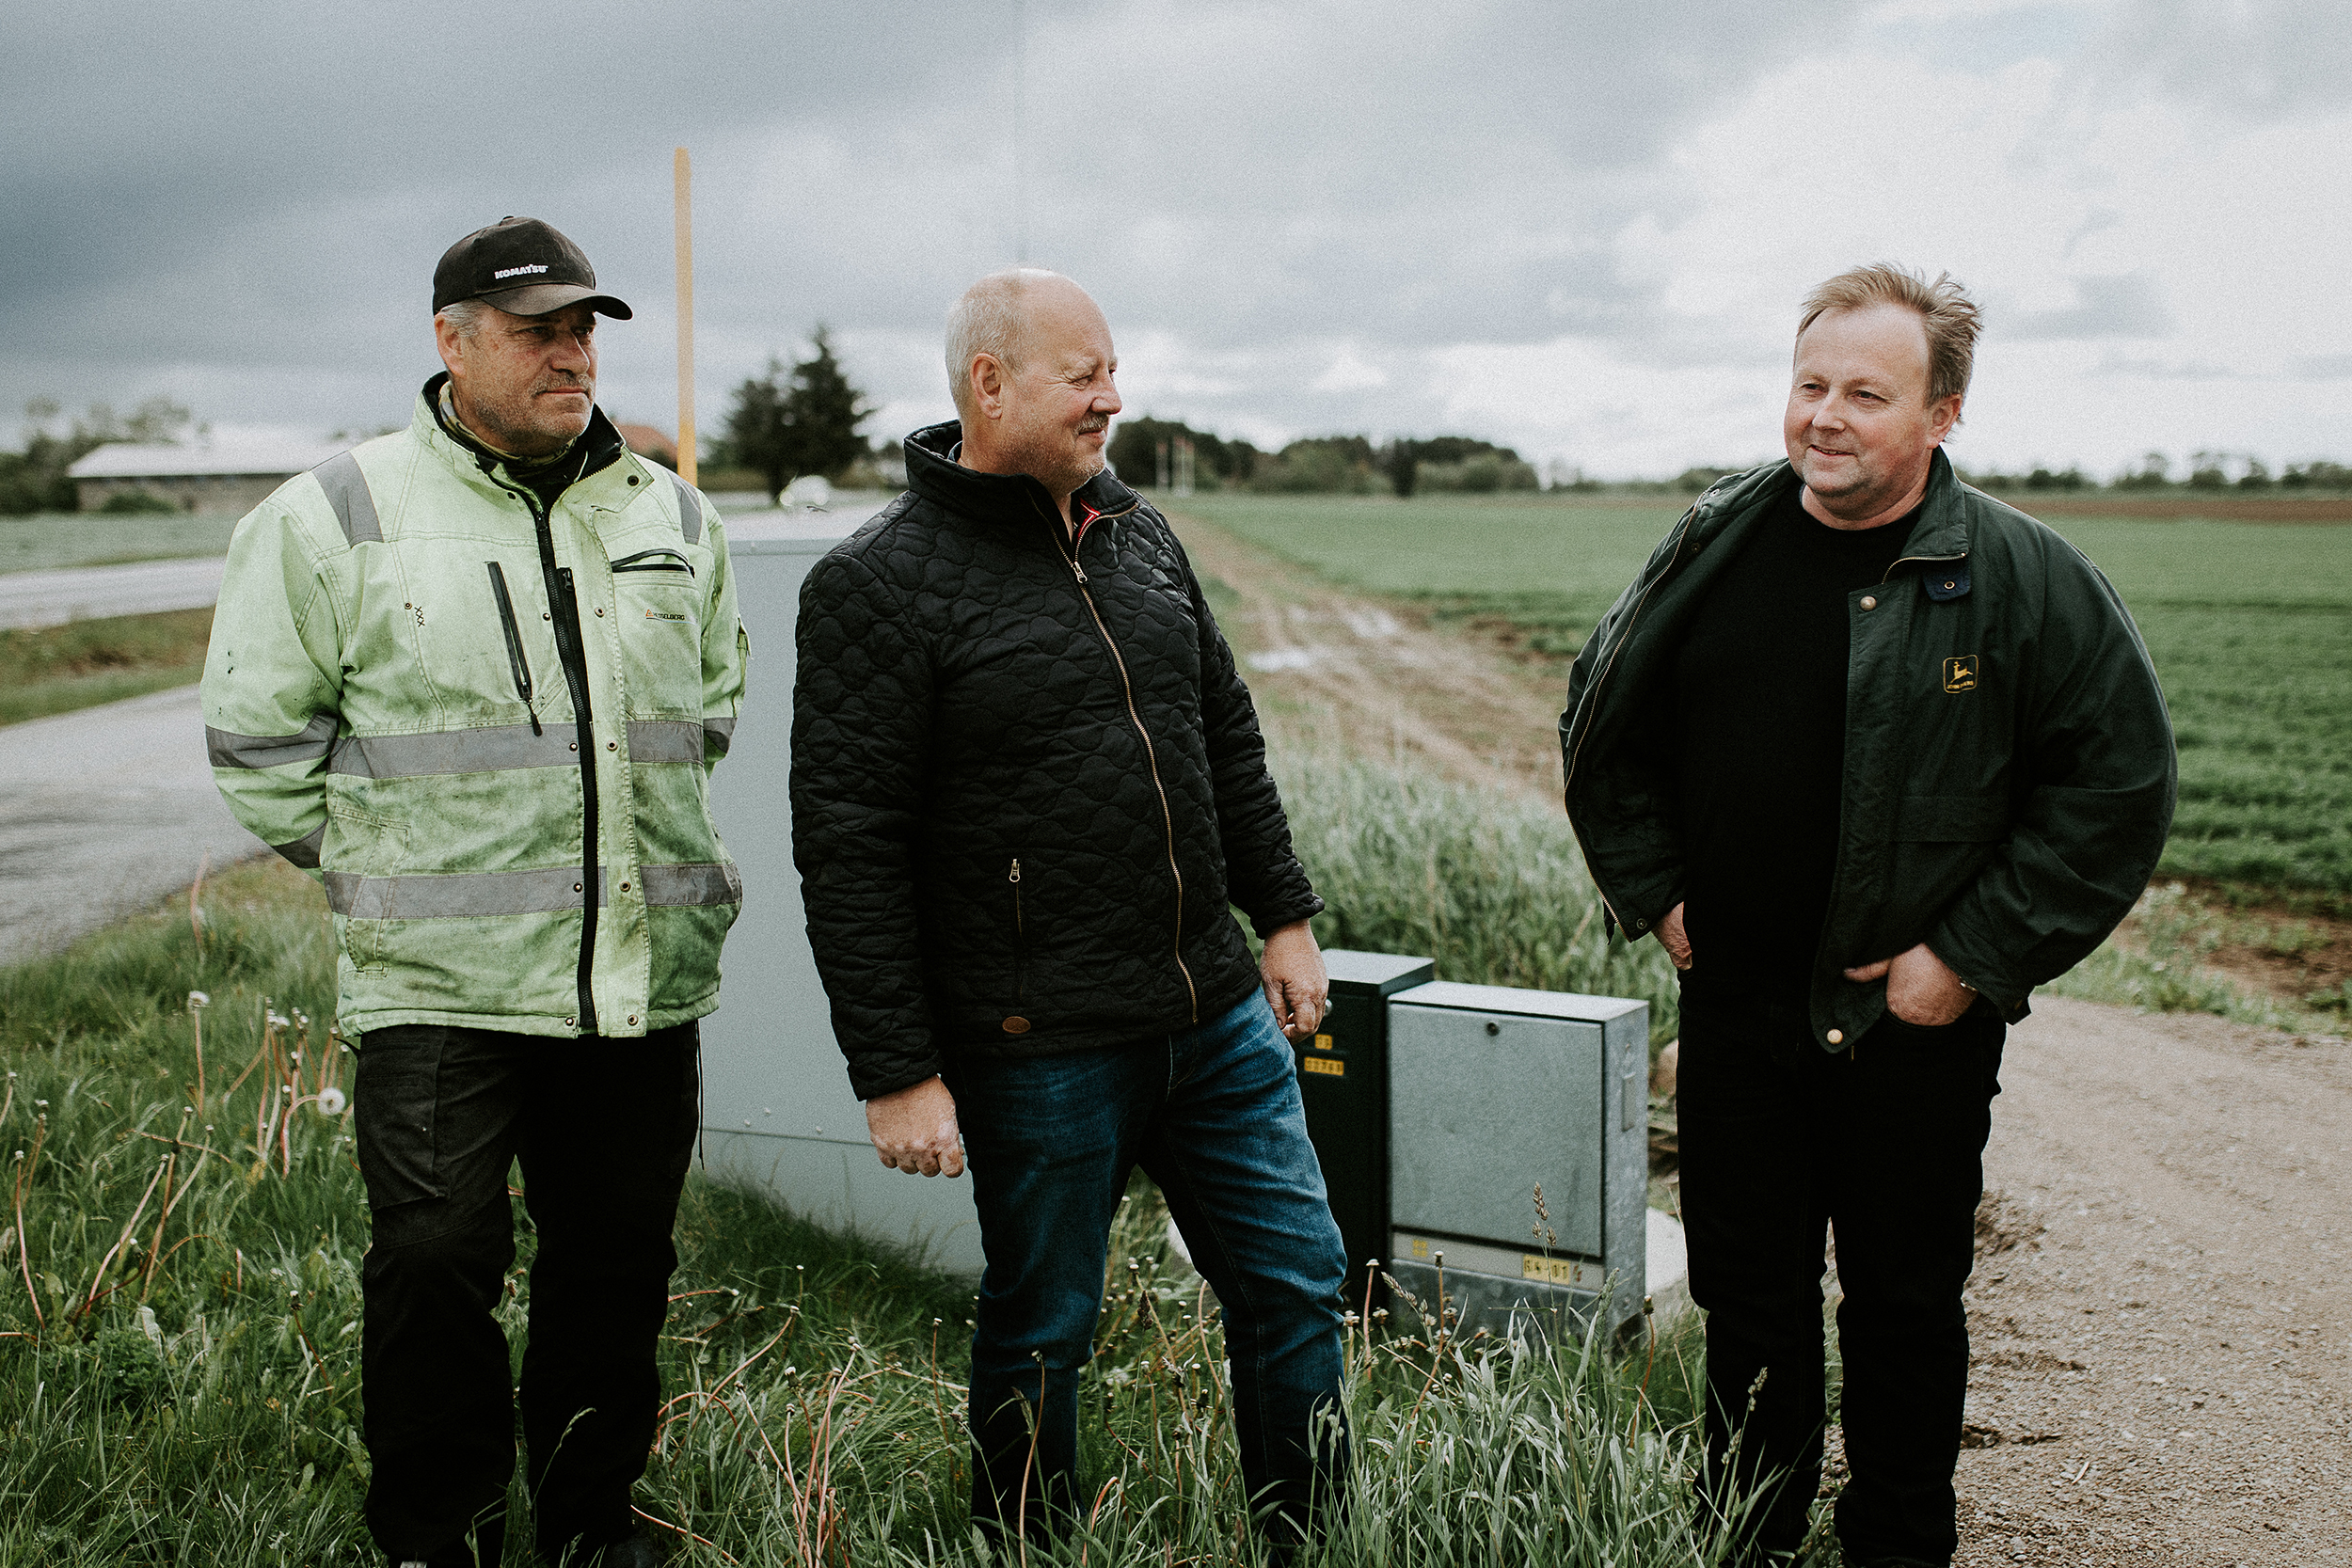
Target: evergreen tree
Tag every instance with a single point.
(783, 426)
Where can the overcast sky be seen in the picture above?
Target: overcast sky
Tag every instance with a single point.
(1578, 228)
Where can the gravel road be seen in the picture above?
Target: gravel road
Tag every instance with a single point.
(2162, 1334)
(103, 811)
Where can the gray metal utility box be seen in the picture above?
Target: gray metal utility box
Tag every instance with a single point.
(777, 1110)
(1494, 1095)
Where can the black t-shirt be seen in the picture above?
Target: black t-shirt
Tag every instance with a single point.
(1759, 695)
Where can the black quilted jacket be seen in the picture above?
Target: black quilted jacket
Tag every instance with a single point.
(1027, 779)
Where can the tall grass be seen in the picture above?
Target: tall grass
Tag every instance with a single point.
(180, 1297)
(1488, 883)
(82, 663)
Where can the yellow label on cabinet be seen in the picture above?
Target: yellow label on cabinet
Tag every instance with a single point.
(1323, 1042)
(1331, 1067)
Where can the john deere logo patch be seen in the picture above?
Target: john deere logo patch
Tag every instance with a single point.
(1959, 674)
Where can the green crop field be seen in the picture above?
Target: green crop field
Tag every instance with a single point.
(50, 539)
(2250, 626)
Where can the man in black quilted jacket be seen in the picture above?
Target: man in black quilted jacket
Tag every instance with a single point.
(1027, 789)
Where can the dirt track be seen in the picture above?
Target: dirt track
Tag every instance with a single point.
(2162, 1337)
(2160, 1314)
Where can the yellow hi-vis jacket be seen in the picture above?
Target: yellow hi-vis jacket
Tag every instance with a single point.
(488, 721)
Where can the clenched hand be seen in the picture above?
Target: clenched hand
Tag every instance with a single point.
(914, 1130)
(1298, 988)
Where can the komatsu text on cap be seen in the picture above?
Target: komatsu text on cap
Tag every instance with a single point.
(524, 267)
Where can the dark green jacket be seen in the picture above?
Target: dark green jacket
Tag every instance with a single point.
(2009, 773)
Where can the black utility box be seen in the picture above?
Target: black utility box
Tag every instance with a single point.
(1344, 1079)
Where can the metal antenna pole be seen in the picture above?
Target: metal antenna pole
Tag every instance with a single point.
(1019, 171)
(682, 175)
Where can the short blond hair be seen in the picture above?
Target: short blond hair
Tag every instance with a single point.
(1951, 318)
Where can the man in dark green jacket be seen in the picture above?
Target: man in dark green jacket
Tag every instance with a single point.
(1872, 755)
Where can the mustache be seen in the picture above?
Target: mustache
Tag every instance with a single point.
(566, 384)
(1094, 422)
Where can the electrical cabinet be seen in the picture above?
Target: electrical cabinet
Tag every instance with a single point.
(1344, 1079)
(1518, 1153)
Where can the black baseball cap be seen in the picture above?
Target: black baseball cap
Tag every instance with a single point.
(524, 267)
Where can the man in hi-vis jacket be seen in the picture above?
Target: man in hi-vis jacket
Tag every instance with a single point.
(475, 676)
(1872, 755)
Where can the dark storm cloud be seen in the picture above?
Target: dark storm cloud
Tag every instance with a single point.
(311, 156)
(242, 205)
(242, 196)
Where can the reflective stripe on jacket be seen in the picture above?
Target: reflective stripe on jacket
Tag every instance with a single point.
(2009, 767)
(452, 701)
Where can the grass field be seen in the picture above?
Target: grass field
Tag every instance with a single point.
(1490, 885)
(59, 669)
(2250, 626)
(180, 1300)
(50, 539)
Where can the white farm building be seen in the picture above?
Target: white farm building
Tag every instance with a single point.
(212, 473)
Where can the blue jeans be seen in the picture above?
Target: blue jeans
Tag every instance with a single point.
(1213, 1114)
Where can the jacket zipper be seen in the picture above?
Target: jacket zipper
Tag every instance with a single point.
(1909, 560)
(1019, 934)
(1829, 916)
(513, 645)
(649, 560)
(563, 612)
(1151, 754)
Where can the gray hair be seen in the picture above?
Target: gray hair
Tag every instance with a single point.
(467, 315)
(988, 319)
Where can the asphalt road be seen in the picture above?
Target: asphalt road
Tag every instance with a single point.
(83, 592)
(103, 811)
(50, 598)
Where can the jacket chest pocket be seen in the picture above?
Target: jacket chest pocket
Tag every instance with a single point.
(482, 635)
(658, 603)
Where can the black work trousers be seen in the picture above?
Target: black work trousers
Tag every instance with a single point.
(604, 1129)
(1882, 1144)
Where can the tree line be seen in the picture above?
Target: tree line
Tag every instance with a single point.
(1323, 464)
(2207, 471)
(34, 479)
(807, 418)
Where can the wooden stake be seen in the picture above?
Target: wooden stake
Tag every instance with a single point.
(683, 174)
